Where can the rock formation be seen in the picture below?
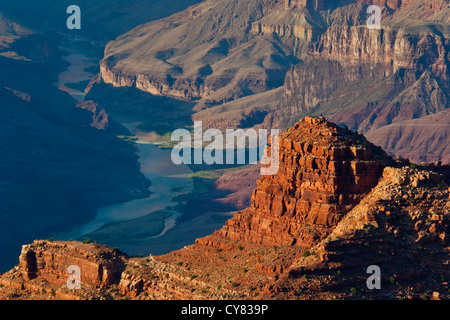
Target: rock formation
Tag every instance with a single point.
(337, 205)
(324, 171)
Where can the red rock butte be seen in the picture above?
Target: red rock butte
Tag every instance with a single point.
(325, 170)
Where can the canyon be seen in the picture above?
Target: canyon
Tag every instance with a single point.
(364, 174)
(269, 63)
(366, 209)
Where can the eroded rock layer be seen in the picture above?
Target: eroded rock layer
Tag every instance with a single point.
(324, 171)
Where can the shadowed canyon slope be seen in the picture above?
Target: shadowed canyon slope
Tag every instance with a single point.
(55, 168)
(337, 205)
(102, 20)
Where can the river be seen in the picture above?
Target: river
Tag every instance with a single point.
(135, 221)
(75, 72)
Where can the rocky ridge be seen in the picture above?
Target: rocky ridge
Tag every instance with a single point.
(354, 207)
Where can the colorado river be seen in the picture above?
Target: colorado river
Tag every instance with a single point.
(139, 220)
(75, 73)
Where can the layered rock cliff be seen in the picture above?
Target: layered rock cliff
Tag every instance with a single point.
(324, 171)
(368, 78)
(337, 206)
(185, 56)
(294, 21)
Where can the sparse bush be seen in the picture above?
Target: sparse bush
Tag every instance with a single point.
(353, 291)
(306, 253)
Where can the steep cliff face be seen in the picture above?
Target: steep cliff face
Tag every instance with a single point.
(295, 20)
(187, 57)
(391, 48)
(324, 171)
(368, 78)
(337, 206)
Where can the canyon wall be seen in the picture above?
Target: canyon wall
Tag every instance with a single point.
(370, 78)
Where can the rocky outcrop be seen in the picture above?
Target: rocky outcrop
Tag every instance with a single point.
(100, 119)
(47, 260)
(173, 84)
(43, 271)
(324, 172)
